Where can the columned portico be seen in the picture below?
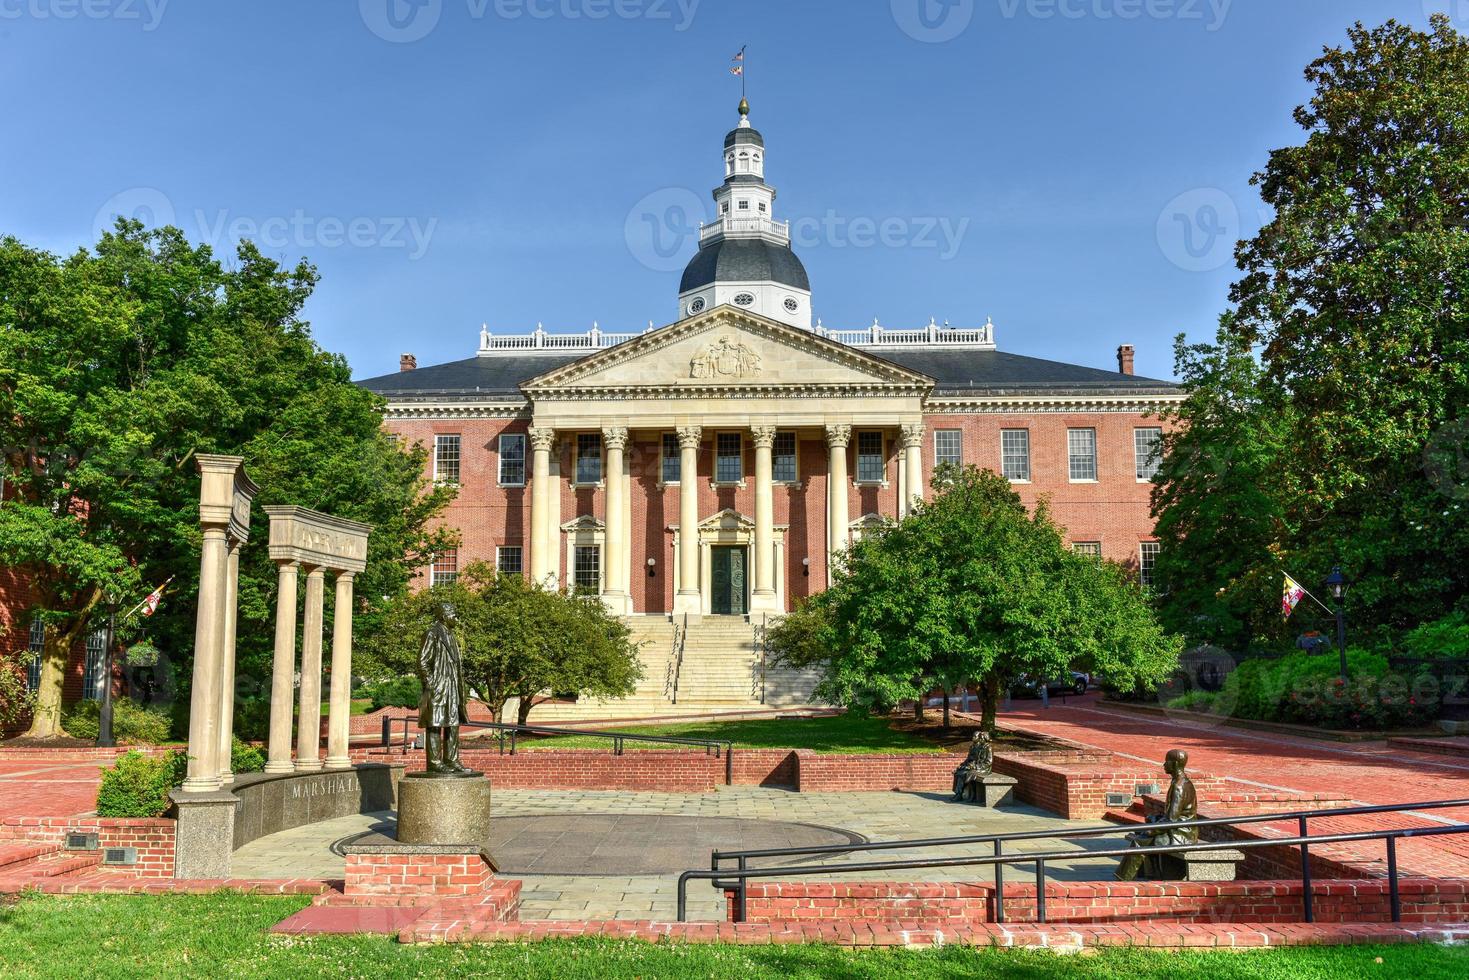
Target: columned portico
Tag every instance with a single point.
(687, 602)
(912, 466)
(615, 441)
(543, 558)
(838, 438)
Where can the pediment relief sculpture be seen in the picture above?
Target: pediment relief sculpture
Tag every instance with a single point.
(725, 359)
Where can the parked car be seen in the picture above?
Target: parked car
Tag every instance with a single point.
(1072, 682)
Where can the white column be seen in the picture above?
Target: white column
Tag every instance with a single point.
(614, 440)
(912, 465)
(227, 666)
(838, 437)
(763, 600)
(687, 601)
(308, 725)
(203, 773)
(541, 558)
(283, 671)
(339, 710)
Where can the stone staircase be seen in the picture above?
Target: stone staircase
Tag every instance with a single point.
(719, 673)
(28, 861)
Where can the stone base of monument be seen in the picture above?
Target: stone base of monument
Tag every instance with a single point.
(1211, 865)
(992, 791)
(444, 809)
(205, 833)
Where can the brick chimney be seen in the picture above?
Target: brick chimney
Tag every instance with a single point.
(1124, 358)
(407, 362)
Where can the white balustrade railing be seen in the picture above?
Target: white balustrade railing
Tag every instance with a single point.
(731, 225)
(975, 338)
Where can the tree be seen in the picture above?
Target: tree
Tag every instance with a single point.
(117, 367)
(972, 588)
(1218, 498)
(518, 640)
(1357, 290)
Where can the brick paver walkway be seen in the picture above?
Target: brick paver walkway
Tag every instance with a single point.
(42, 789)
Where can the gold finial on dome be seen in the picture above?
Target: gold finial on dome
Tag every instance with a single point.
(744, 106)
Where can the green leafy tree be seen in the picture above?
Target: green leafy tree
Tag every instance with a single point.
(1357, 290)
(117, 366)
(518, 640)
(972, 588)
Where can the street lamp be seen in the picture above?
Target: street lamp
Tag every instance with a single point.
(1336, 584)
(104, 716)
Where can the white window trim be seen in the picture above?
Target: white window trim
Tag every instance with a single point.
(576, 460)
(448, 435)
(663, 455)
(795, 452)
(940, 462)
(1135, 431)
(1096, 455)
(500, 458)
(883, 483)
(714, 480)
(1029, 455)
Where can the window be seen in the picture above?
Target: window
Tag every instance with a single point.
(729, 459)
(94, 667)
(1147, 557)
(1147, 448)
(744, 205)
(445, 568)
(587, 568)
(1015, 454)
(724, 207)
(1093, 548)
(35, 647)
(1081, 450)
(672, 460)
(446, 459)
(870, 464)
(948, 448)
(783, 458)
(512, 461)
(762, 207)
(589, 457)
(509, 559)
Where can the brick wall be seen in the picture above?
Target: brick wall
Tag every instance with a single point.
(927, 904)
(875, 773)
(390, 878)
(1075, 785)
(153, 838)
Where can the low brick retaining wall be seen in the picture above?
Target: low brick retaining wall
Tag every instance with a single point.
(927, 772)
(153, 838)
(1424, 900)
(388, 877)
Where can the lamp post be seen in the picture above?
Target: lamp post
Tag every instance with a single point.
(104, 716)
(1336, 583)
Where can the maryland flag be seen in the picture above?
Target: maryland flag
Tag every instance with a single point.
(1290, 597)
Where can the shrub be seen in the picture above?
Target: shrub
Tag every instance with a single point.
(132, 724)
(393, 692)
(137, 785)
(1194, 701)
(1446, 637)
(245, 758)
(1307, 688)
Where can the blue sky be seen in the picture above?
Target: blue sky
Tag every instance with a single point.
(1075, 169)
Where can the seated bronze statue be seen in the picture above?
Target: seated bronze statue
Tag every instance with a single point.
(1183, 804)
(979, 763)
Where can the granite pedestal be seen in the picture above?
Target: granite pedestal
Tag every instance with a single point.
(991, 791)
(444, 810)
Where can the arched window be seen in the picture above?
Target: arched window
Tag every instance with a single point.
(744, 162)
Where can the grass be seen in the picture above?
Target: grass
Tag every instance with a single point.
(838, 734)
(359, 706)
(224, 935)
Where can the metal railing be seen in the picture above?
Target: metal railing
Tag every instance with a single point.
(508, 733)
(680, 637)
(736, 879)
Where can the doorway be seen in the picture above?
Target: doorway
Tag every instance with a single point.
(729, 580)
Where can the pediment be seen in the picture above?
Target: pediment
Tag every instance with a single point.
(727, 520)
(728, 348)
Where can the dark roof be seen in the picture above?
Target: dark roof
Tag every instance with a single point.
(744, 134)
(744, 260)
(954, 371)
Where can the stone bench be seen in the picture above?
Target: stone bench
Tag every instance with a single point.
(1210, 865)
(993, 790)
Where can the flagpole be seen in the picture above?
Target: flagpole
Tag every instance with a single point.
(1307, 592)
(140, 605)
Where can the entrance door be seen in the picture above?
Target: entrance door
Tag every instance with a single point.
(729, 580)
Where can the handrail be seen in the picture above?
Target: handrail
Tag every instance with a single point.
(743, 874)
(682, 639)
(716, 747)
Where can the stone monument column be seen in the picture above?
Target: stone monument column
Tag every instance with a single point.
(764, 599)
(838, 437)
(340, 710)
(542, 558)
(308, 725)
(688, 600)
(203, 773)
(227, 686)
(614, 439)
(283, 671)
(912, 465)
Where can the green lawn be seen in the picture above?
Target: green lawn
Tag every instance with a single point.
(358, 707)
(225, 936)
(834, 733)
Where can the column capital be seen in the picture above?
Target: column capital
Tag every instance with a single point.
(615, 437)
(542, 438)
(345, 578)
(762, 436)
(913, 435)
(690, 436)
(838, 436)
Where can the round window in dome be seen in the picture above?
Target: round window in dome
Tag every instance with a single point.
(697, 306)
(792, 305)
(744, 299)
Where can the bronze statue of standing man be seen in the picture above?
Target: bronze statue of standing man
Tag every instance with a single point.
(444, 704)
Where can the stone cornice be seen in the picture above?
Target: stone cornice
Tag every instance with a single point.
(1020, 404)
(469, 407)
